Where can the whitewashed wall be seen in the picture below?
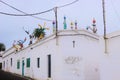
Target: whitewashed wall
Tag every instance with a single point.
(86, 54)
(80, 62)
(110, 68)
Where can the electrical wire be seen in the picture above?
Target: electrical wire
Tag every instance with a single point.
(68, 4)
(33, 13)
(25, 14)
(115, 10)
(12, 7)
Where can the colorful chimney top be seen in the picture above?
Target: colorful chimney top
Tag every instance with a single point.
(54, 28)
(94, 26)
(71, 25)
(94, 22)
(64, 17)
(65, 24)
(75, 24)
(53, 22)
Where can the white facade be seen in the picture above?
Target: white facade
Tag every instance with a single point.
(73, 55)
(110, 68)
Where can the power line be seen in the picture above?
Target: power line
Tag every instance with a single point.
(25, 14)
(12, 7)
(115, 10)
(68, 4)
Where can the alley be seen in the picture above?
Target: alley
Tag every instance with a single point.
(9, 76)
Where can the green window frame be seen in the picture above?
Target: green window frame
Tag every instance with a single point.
(28, 62)
(18, 64)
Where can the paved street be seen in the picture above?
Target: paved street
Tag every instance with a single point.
(9, 76)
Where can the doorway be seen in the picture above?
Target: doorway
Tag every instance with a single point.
(49, 66)
(0, 65)
(23, 63)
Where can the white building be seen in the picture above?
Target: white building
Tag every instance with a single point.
(110, 67)
(72, 55)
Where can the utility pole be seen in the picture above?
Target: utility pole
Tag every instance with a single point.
(104, 22)
(56, 21)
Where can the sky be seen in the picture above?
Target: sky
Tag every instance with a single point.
(11, 27)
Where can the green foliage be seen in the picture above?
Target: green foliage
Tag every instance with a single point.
(2, 47)
(39, 31)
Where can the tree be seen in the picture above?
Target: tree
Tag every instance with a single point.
(2, 47)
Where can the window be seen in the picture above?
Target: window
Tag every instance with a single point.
(18, 64)
(11, 61)
(38, 62)
(28, 62)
